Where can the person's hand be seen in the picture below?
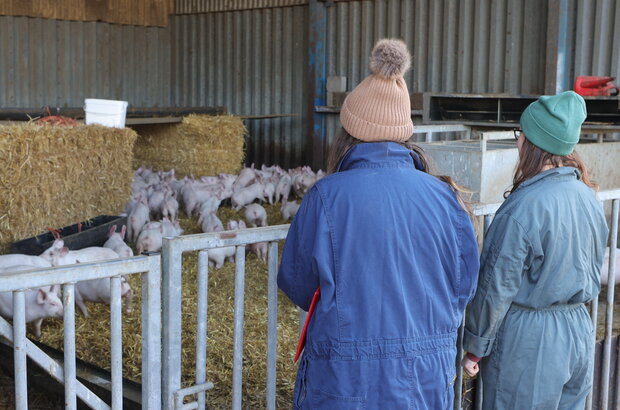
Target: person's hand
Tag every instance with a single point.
(470, 367)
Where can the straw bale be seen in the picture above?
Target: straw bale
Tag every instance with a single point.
(54, 176)
(199, 145)
(93, 343)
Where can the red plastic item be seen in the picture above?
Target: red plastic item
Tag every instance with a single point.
(596, 86)
(302, 337)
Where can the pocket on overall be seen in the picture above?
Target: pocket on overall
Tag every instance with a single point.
(323, 400)
(299, 396)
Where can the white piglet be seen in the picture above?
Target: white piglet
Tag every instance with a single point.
(90, 290)
(138, 217)
(256, 215)
(289, 209)
(117, 243)
(40, 303)
(31, 261)
(247, 195)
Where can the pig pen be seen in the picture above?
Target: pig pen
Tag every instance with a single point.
(92, 335)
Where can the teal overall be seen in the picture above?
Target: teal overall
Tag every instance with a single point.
(540, 264)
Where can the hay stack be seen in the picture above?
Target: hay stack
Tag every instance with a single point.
(199, 145)
(54, 176)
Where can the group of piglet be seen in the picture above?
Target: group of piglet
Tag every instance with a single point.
(159, 195)
(45, 302)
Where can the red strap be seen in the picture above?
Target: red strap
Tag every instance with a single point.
(302, 337)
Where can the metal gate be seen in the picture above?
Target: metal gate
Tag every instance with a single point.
(18, 283)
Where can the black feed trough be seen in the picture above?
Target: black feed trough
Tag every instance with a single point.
(92, 232)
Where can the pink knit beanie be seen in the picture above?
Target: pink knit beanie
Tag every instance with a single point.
(379, 109)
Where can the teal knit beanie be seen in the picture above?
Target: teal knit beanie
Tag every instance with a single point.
(553, 123)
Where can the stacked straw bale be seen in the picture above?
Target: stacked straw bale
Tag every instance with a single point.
(199, 145)
(54, 176)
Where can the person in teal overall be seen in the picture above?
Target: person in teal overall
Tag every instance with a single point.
(528, 323)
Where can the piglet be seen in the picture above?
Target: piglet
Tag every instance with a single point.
(283, 189)
(150, 240)
(40, 303)
(246, 196)
(169, 206)
(59, 255)
(289, 209)
(99, 291)
(117, 244)
(32, 261)
(138, 217)
(211, 223)
(256, 215)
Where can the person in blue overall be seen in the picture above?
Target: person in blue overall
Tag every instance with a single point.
(540, 265)
(394, 253)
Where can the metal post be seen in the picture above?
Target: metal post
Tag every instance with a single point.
(610, 306)
(272, 325)
(238, 328)
(116, 342)
(151, 336)
(171, 352)
(458, 394)
(317, 79)
(201, 326)
(19, 350)
(68, 299)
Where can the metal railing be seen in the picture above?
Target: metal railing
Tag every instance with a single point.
(172, 250)
(19, 282)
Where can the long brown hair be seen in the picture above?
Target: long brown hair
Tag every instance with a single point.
(532, 160)
(344, 142)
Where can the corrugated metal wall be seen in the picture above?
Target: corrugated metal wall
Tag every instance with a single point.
(253, 62)
(464, 46)
(60, 63)
(594, 33)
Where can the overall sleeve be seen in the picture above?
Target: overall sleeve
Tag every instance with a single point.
(297, 276)
(505, 258)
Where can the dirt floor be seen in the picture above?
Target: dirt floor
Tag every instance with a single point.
(37, 399)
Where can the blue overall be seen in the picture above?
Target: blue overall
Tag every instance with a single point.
(540, 263)
(396, 259)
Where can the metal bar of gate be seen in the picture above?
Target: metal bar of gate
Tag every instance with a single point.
(68, 296)
(201, 317)
(171, 332)
(19, 350)
(272, 325)
(116, 342)
(151, 335)
(610, 307)
(238, 330)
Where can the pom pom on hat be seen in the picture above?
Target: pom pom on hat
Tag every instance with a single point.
(390, 58)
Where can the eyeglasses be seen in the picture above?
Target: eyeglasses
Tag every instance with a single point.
(517, 134)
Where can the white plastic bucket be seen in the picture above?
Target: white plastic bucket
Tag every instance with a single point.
(110, 113)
